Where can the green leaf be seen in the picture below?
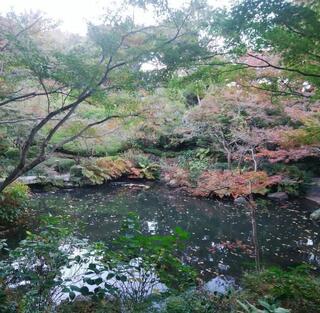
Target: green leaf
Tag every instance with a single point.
(98, 281)
(72, 295)
(75, 288)
(85, 291)
(110, 275)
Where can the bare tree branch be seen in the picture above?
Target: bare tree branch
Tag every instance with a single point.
(30, 95)
(268, 64)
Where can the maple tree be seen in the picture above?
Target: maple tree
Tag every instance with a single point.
(228, 183)
(213, 183)
(88, 70)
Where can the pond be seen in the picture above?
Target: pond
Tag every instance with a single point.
(220, 240)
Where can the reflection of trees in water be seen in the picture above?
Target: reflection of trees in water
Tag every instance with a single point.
(283, 229)
(253, 209)
(310, 248)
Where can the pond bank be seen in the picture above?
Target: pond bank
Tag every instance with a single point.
(66, 181)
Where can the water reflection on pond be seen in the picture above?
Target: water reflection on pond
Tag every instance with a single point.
(221, 232)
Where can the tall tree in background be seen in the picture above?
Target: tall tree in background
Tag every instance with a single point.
(262, 28)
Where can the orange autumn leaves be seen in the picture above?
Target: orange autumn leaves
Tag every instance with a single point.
(225, 183)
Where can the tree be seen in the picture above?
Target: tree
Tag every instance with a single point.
(109, 59)
(261, 28)
(226, 127)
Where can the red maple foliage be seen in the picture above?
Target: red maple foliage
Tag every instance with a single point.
(286, 155)
(229, 183)
(221, 184)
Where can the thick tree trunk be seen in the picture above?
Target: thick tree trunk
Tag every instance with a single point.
(20, 170)
(10, 179)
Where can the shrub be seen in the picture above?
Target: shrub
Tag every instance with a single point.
(229, 183)
(197, 167)
(63, 165)
(148, 169)
(200, 302)
(87, 306)
(259, 122)
(12, 202)
(99, 151)
(308, 133)
(115, 147)
(177, 177)
(39, 170)
(196, 161)
(293, 180)
(134, 156)
(76, 172)
(33, 151)
(274, 111)
(12, 153)
(156, 151)
(296, 289)
(267, 307)
(220, 166)
(184, 158)
(4, 142)
(100, 170)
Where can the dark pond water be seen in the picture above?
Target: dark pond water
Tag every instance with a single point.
(221, 232)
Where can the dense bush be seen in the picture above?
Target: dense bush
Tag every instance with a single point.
(196, 162)
(4, 142)
(13, 201)
(295, 289)
(294, 179)
(12, 153)
(100, 170)
(147, 168)
(214, 183)
(85, 306)
(63, 165)
(200, 302)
